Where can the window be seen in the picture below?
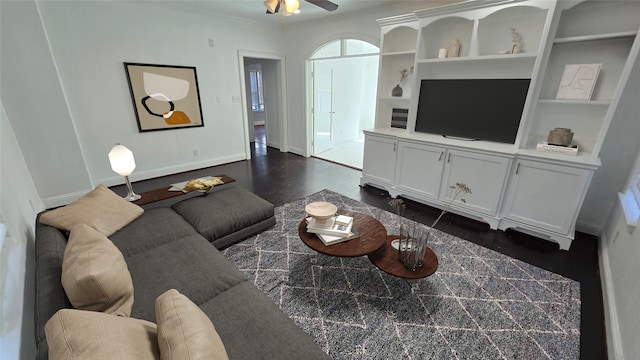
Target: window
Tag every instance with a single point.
(345, 47)
(257, 97)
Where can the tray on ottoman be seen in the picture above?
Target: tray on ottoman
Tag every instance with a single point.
(227, 216)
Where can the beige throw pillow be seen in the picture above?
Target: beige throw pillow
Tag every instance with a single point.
(95, 275)
(77, 334)
(184, 331)
(101, 208)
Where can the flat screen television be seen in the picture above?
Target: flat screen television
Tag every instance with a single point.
(472, 109)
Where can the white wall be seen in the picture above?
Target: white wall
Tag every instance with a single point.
(620, 148)
(620, 244)
(19, 204)
(89, 42)
(619, 266)
(36, 106)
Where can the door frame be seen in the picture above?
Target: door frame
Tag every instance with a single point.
(282, 90)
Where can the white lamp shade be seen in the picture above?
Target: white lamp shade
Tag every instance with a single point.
(122, 161)
(291, 5)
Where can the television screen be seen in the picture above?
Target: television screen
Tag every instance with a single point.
(472, 109)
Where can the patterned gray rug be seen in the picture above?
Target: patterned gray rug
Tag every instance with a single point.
(479, 304)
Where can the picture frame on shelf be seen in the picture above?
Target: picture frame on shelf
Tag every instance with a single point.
(399, 118)
(578, 81)
(165, 97)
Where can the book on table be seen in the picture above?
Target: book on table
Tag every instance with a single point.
(331, 240)
(336, 226)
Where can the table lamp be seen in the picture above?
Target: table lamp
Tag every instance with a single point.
(123, 163)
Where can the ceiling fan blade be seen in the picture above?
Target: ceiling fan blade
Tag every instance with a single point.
(325, 4)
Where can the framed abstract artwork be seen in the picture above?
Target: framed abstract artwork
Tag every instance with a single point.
(164, 97)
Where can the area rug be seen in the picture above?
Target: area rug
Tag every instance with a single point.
(479, 304)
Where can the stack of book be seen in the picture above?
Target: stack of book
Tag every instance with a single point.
(334, 230)
(558, 149)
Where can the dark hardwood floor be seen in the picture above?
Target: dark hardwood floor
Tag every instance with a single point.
(282, 177)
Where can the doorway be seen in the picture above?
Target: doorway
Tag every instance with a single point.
(262, 94)
(344, 74)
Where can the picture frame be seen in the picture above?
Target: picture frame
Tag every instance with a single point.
(165, 97)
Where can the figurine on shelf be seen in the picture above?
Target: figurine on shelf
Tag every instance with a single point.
(397, 91)
(453, 49)
(516, 42)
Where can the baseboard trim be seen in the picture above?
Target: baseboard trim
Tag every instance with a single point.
(614, 342)
(589, 228)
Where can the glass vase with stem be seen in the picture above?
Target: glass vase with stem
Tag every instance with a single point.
(413, 239)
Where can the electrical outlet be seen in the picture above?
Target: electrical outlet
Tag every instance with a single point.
(210, 42)
(196, 153)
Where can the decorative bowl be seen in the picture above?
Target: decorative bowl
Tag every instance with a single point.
(321, 210)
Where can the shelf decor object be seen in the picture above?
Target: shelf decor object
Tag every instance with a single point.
(453, 50)
(578, 81)
(560, 137)
(399, 118)
(397, 90)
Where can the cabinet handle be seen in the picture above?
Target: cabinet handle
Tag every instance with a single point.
(449, 158)
(441, 154)
(394, 147)
(517, 168)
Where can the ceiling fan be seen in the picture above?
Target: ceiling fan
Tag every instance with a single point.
(290, 7)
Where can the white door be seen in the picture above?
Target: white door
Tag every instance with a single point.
(322, 106)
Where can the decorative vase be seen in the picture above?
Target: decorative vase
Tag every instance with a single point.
(396, 91)
(412, 245)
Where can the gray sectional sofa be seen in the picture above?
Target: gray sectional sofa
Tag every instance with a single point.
(175, 248)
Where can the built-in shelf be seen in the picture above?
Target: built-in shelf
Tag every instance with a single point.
(575, 102)
(507, 57)
(394, 98)
(609, 36)
(396, 53)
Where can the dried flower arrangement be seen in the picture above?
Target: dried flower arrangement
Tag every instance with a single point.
(458, 189)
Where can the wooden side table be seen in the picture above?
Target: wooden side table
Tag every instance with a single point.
(386, 259)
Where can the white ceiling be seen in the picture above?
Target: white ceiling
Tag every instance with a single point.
(255, 11)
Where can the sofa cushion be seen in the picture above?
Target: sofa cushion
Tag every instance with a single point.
(189, 264)
(152, 229)
(94, 273)
(101, 208)
(78, 334)
(228, 211)
(245, 310)
(184, 331)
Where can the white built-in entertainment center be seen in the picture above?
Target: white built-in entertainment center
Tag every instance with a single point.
(514, 185)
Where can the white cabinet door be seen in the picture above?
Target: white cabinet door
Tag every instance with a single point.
(419, 169)
(546, 196)
(379, 161)
(484, 174)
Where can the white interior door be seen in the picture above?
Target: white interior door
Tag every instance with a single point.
(322, 107)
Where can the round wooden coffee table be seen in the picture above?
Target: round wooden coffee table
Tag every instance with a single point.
(386, 259)
(373, 236)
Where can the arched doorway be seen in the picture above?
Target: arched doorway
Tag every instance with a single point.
(344, 76)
